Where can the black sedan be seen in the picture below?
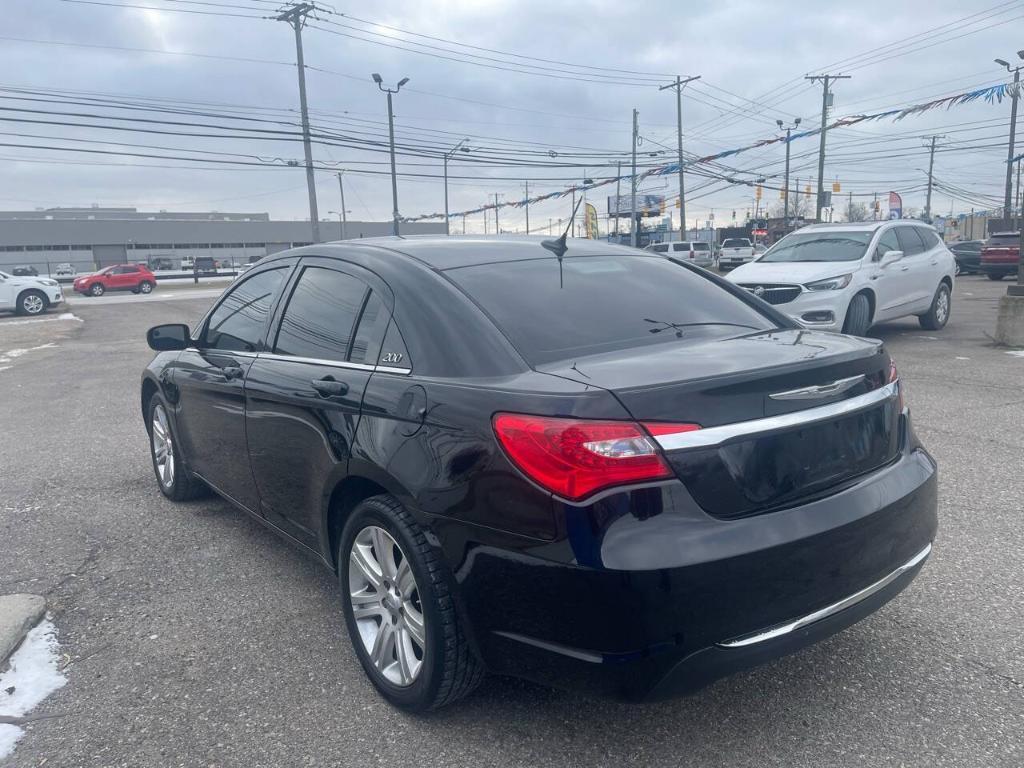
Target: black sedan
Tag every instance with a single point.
(968, 256)
(578, 463)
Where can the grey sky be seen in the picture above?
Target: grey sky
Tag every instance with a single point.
(741, 49)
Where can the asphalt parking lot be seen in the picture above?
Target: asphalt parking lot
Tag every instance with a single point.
(193, 636)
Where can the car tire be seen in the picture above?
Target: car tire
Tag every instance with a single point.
(858, 316)
(404, 597)
(937, 316)
(32, 303)
(995, 276)
(145, 287)
(96, 289)
(176, 482)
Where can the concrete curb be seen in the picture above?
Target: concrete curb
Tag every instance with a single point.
(18, 614)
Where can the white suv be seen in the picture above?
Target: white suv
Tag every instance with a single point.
(28, 295)
(847, 277)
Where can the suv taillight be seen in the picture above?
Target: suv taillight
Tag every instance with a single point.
(574, 458)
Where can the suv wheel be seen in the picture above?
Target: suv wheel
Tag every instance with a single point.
(96, 289)
(145, 287)
(32, 303)
(858, 316)
(995, 276)
(938, 314)
(399, 610)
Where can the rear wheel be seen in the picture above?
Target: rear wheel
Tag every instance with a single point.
(938, 314)
(145, 287)
(96, 289)
(997, 276)
(173, 477)
(399, 609)
(32, 303)
(858, 316)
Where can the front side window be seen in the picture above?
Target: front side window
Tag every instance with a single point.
(818, 246)
(238, 321)
(910, 240)
(887, 242)
(321, 314)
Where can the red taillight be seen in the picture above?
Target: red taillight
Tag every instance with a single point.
(574, 458)
(894, 376)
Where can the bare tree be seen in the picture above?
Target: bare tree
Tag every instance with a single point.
(857, 212)
(799, 205)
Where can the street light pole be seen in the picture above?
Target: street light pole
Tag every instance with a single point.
(785, 188)
(447, 156)
(344, 213)
(632, 186)
(391, 135)
(1014, 96)
(678, 86)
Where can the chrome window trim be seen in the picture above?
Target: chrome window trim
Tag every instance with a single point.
(332, 363)
(714, 436)
(828, 610)
(221, 352)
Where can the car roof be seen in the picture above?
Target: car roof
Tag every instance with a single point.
(442, 252)
(861, 226)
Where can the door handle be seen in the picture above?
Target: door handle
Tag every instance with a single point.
(328, 387)
(232, 372)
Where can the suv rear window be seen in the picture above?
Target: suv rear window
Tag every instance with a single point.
(596, 304)
(734, 242)
(1010, 240)
(701, 247)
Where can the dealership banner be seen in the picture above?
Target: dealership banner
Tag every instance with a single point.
(590, 221)
(895, 206)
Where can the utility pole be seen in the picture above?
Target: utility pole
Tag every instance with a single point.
(572, 211)
(825, 104)
(632, 184)
(447, 156)
(1014, 95)
(849, 208)
(391, 135)
(785, 188)
(618, 184)
(874, 208)
(463, 223)
(296, 17)
(678, 86)
(1019, 205)
(526, 185)
(497, 226)
(931, 165)
(344, 213)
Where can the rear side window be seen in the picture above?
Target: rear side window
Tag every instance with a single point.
(681, 247)
(372, 325)
(660, 248)
(595, 304)
(910, 241)
(931, 239)
(237, 322)
(321, 314)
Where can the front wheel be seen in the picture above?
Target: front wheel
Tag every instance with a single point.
(858, 316)
(938, 313)
(96, 289)
(32, 303)
(145, 287)
(997, 276)
(399, 610)
(173, 477)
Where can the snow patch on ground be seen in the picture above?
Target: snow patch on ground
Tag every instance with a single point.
(33, 675)
(61, 316)
(11, 354)
(1017, 353)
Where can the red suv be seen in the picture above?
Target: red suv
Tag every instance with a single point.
(1000, 255)
(120, 277)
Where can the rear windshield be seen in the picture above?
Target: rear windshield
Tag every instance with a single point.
(701, 247)
(1002, 241)
(602, 304)
(660, 248)
(733, 242)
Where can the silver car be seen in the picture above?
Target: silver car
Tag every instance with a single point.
(694, 251)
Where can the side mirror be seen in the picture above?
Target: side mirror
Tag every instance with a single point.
(169, 338)
(889, 257)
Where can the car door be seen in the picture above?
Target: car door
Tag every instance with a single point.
(121, 278)
(210, 379)
(917, 268)
(303, 396)
(894, 282)
(936, 261)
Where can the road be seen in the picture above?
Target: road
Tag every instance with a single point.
(196, 637)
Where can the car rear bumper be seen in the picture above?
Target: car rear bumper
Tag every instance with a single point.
(652, 601)
(999, 268)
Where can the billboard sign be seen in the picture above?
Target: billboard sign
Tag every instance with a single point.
(646, 205)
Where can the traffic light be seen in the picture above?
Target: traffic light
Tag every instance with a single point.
(757, 193)
(835, 186)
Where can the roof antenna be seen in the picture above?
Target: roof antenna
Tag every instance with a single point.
(559, 246)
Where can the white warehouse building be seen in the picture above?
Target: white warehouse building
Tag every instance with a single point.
(91, 238)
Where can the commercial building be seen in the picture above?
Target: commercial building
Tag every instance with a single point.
(90, 238)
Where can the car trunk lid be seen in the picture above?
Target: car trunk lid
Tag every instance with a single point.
(782, 410)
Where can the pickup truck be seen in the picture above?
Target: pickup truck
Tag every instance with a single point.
(735, 252)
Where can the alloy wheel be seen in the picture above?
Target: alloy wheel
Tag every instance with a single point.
(163, 447)
(386, 605)
(942, 307)
(33, 304)
(146, 288)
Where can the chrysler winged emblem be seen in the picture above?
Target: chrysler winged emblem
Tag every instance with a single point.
(820, 391)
